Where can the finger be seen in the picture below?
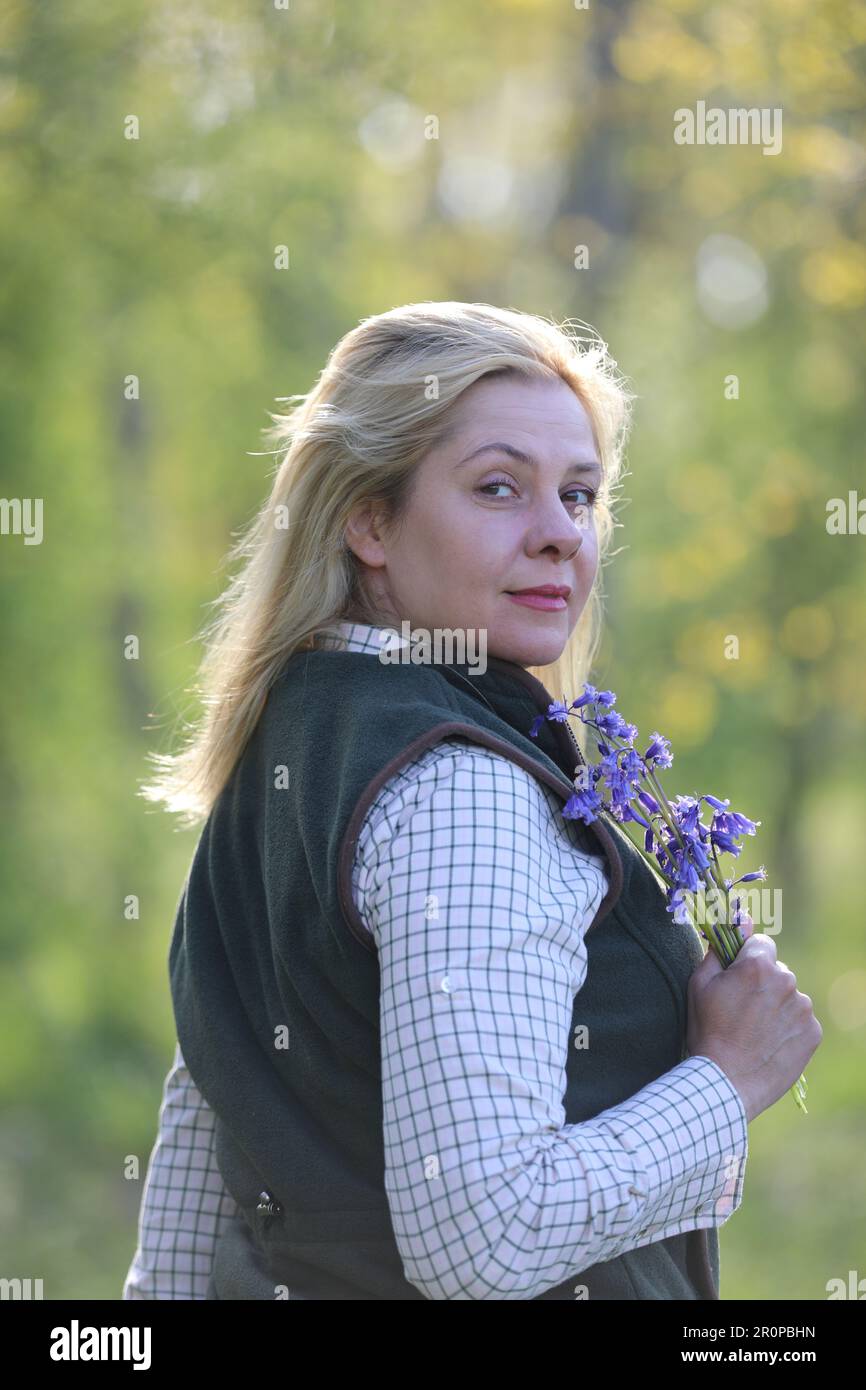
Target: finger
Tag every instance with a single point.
(746, 927)
(758, 943)
(710, 965)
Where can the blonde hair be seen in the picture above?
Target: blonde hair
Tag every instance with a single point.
(381, 402)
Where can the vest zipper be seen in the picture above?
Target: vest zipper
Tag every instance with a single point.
(575, 744)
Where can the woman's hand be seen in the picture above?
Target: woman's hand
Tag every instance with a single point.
(751, 1020)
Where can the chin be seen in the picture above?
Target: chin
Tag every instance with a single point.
(532, 651)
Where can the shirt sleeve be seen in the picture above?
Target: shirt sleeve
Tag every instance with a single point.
(185, 1203)
(478, 898)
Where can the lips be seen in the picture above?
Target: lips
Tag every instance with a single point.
(546, 590)
(546, 600)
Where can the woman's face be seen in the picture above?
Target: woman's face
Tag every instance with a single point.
(503, 503)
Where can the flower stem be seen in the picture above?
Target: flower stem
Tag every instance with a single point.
(724, 937)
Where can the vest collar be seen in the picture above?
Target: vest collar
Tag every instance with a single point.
(505, 687)
(517, 696)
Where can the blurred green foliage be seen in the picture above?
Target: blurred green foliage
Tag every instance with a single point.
(307, 127)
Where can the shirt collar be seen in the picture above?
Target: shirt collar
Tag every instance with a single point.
(352, 637)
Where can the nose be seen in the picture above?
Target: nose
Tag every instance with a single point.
(560, 527)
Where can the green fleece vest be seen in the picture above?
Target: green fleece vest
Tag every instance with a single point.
(275, 980)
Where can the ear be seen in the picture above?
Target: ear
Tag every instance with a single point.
(364, 533)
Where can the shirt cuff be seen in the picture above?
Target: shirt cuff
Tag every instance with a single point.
(687, 1134)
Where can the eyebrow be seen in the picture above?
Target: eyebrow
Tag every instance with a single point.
(579, 466)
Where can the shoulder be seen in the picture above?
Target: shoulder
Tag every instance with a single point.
(485, 797)
(365, 710)
(454, 772)
(323, 673)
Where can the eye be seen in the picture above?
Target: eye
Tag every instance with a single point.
(497, 482)
(587, 492)
(506, 482)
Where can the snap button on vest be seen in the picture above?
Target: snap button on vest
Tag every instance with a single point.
(268, 1205)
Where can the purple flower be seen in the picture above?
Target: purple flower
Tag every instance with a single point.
(558, 711)
(686, 810)
(629, 813)
(748, 878)
(584, 805)
(618, 782)
(589, 696)
(684, 848)
(726, 843)
(659, 752)
(615, 726)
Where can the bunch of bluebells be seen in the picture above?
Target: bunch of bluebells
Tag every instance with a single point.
(677, 843)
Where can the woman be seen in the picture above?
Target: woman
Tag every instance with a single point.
(435, 1041)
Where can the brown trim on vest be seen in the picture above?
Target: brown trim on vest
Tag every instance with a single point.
(476, 734)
